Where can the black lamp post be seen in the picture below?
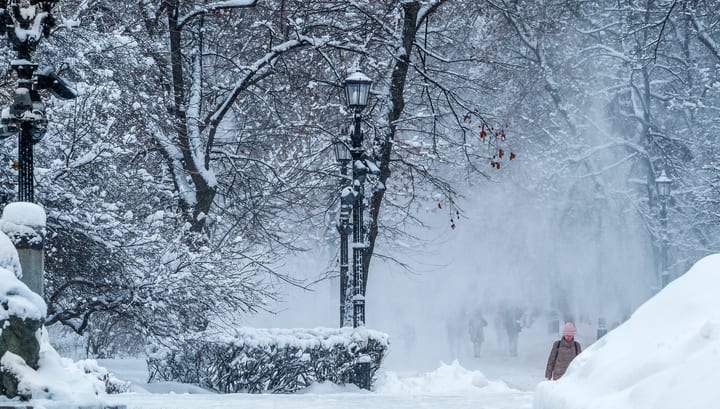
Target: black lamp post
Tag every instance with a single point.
(347, 198)
(25, 24)
(357, 89)
(663, 183)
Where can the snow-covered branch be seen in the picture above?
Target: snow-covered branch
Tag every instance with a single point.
(219, 5)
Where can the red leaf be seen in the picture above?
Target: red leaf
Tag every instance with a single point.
(512, 156)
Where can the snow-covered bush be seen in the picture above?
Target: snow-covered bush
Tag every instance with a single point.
(268, 360)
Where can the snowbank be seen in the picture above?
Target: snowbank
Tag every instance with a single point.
(667, 356)
(16, 298)
(58, 380)
(447, 379)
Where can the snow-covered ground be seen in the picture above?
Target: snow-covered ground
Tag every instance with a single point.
(494, 380)
(450, 386)
(665, 356)
(326, 401)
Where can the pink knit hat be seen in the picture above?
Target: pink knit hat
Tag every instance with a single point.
(569, 329)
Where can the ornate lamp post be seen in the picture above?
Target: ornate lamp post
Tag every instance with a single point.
(663, 183)
(25, 25)
(357, 88)
(347, 198)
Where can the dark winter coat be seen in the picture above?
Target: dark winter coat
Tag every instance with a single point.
(561, 354)
(477, 328)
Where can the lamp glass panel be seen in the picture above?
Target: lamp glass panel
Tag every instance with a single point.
(342, 153)
(356, 93)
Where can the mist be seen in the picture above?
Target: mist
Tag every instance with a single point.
(510, 247)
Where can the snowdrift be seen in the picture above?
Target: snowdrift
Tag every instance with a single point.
(666, 356)
(451, 379)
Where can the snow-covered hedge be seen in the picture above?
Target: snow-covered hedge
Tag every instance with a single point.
(269, 360)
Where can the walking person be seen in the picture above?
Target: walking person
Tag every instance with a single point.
(562, 353)
(512, 323)
(477, 331)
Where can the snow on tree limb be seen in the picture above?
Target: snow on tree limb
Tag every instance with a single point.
(229, 4)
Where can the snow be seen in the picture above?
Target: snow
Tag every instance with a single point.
(303, 338)
(234, 3)
(23, 213)
(35, 29)
(17, 299)
(59, 382)
(449, 387)
(447, 379)
(9, 256)
(358, 76)
(664, 357)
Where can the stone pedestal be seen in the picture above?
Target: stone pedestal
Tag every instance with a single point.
(32, 260)
(24, 223)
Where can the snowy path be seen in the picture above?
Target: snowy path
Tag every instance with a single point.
(507, 400)
(448, 387)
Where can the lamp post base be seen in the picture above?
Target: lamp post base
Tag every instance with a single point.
(361, 373)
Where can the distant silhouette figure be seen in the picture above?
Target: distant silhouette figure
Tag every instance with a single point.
(511, 320)
(476, 328)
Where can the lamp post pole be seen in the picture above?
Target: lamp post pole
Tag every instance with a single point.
(664, 275)
(342, 154)
(663, 183)
(357, 89)
(358, 223)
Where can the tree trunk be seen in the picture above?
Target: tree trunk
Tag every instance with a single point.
(384, 144)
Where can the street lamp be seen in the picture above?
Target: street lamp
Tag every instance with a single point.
(25, 117)
(663, 183)
(343, 157)
(357, 88)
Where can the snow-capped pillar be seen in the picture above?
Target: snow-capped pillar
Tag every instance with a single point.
(24, 223)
